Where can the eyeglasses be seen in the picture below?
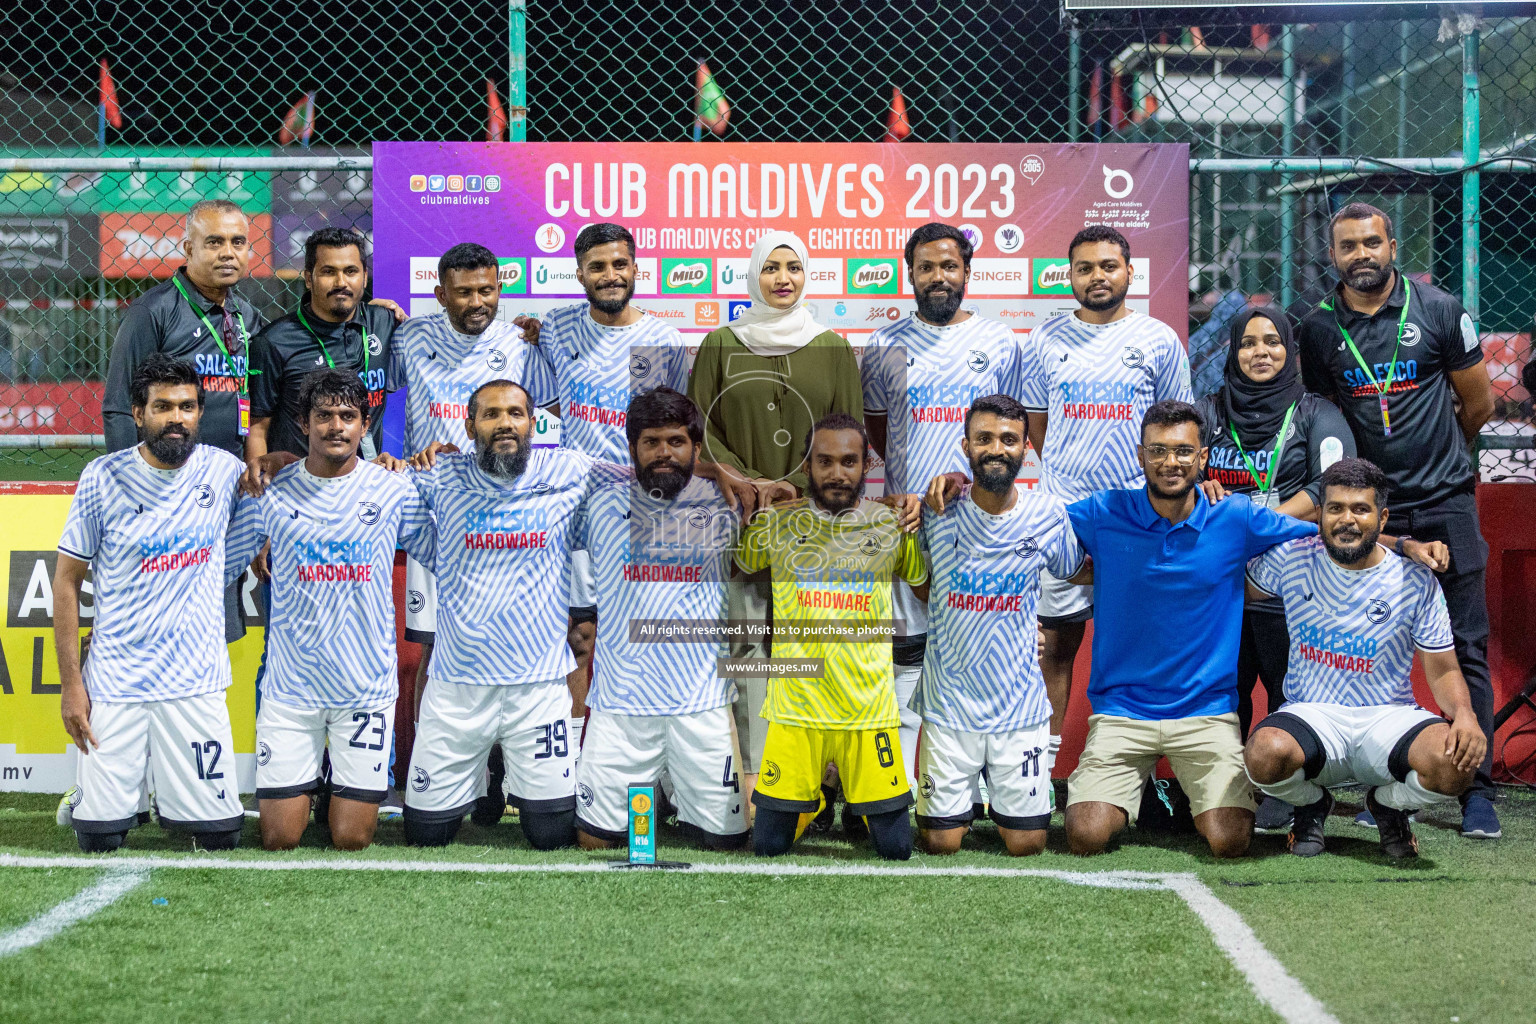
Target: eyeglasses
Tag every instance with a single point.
(1184, 455)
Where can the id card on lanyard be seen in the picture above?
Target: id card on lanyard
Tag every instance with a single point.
(1266, 494)
(243, 396)
(1381, 388)
(367, 449)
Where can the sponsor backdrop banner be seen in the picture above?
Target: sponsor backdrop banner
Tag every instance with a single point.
(695, 210)
(36, 754)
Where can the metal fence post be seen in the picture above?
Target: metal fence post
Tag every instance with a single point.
(1471, 182)
(1074, 82)
(517, 70)
(1287, 148)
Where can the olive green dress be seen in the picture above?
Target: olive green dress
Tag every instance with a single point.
(758, 411)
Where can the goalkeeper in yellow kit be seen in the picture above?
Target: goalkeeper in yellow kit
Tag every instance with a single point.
(833, 556)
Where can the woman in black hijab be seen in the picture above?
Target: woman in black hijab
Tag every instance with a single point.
(1270, 441)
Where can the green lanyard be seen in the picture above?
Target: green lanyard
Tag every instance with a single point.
(1265, 481)
(325, 352)
(1381, 389)
(218, 337)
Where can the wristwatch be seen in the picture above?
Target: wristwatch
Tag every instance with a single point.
(1400, 542)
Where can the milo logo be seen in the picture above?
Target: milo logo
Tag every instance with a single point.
(513, 274)
(685, 275)
(1052, 277)
(872, 277)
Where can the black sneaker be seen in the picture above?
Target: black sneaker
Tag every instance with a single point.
(489, 808)
(1306, 838)
(855, 828)
(1397, 840)
(1274, 815)
(828, 813)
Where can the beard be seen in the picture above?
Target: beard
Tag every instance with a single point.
(1353, 546)
(1366, 275)
(938, 304)
(173, 445)
(1185, 486)
(837, 500)
(665, 484)
(996, 473)
(1102, 305)
(611, 307)
(506, 465)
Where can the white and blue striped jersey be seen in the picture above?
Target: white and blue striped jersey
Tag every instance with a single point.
(501, 564)
(656, 559)
(924, 378)
(598, 369)
(1095, 382)
(155, 540)
(1353, 631)
(981, 671)
(442, 368)
(331, 630)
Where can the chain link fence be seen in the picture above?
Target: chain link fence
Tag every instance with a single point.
(285, 98)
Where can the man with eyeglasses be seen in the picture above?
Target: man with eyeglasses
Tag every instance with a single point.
(1165, 684)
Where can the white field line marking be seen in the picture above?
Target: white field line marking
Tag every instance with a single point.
(118, 881)
(1266, 976)
(1270, 981)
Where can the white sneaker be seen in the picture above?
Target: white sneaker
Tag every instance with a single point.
(65, 815)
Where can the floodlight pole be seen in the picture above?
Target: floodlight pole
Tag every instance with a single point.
(517, 70)
(1287, 148)
(1471, 181)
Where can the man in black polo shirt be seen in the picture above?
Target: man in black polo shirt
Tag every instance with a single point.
(1404, 364)
(196, 317)
(331, 327)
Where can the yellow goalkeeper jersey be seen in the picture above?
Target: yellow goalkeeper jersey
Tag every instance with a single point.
(832, 569)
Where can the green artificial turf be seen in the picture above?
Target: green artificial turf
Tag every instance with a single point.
(1446, 937)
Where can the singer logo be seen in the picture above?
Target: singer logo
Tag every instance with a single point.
(872, 277)
(686, 276)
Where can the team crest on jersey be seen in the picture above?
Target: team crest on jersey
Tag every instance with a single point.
(926, 786)
(871, 545)
(639, 367)
(496, 359)
(263, 754)
(1133, 357)
(203, 495)
(977, 360)
(540, 488)
(584, 791)
(698, 518)
(1026, 547)
(375, 345)
(1377, 611)
(420, 780)
(770, 773)
(1411, 334)
(415, 601)
(368, 513)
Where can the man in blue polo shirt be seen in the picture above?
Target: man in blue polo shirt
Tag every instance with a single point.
(1168, 572)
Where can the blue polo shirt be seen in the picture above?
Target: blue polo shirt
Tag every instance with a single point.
(1168, 600)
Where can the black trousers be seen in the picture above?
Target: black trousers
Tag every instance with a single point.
(1454, 522)
(1261, 658)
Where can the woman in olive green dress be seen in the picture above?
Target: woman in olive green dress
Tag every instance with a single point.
(765, 379)
(762, 383)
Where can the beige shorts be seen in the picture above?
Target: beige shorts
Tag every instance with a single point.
(1206, 754)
